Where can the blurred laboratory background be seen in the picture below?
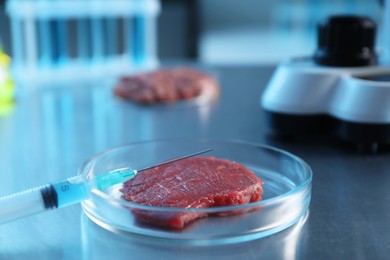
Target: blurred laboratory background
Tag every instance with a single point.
(60, 60)
(217, 31)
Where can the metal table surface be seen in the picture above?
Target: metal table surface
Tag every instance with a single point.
(54, 129)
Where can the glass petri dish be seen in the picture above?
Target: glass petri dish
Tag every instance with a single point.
(287, 192)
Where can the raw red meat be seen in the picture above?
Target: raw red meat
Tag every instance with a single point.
(166, 86)
(197, 182)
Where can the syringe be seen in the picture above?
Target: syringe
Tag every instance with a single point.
(66, 192)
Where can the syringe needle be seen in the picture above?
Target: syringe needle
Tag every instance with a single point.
(176, 159)
(109, 179)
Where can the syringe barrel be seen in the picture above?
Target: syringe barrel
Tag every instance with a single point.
(25, 203)
(56, 195)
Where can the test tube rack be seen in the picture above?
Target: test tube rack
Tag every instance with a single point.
(68, 39)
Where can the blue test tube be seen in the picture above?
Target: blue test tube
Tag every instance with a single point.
(139, 38)
(18, 53)
(97, 36)
(53, 39)
(45, 42)
(59, 36)
(386, 28)
(83, 39)
(111, 39)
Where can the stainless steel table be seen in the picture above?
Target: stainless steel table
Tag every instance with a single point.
(55, 128)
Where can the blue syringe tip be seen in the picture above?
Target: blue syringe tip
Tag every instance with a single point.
(109, 179)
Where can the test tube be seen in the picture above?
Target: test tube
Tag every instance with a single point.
(111, 38)
(143, 34)
(386, 29)
(44, 39)
(128, 39)
(139, 38)
(17, 35)
(150, 48)
(83, 40)
(97, 36)
(59, 39)
(53, 37)
(62, 40)
(30, 41)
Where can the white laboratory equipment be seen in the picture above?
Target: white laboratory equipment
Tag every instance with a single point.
(343, 88)
(64, 39)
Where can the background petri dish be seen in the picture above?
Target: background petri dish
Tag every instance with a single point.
(287, 192)
(209, 94)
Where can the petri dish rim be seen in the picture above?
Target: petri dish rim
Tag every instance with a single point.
(264, 202)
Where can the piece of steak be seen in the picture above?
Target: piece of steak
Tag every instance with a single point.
(166, 86)
(197, 182)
